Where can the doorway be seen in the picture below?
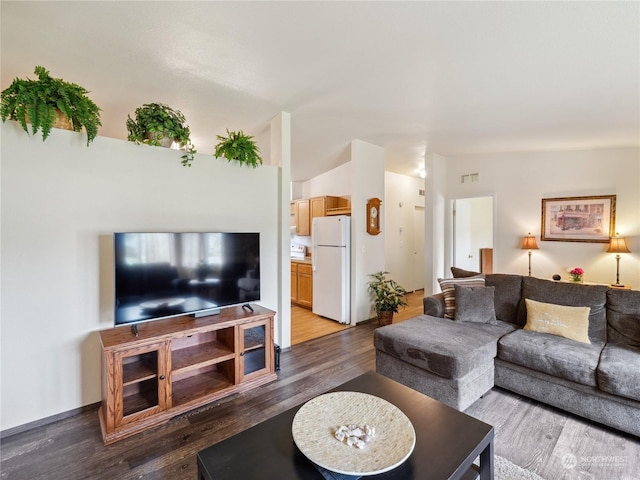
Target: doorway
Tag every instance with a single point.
(473, 232)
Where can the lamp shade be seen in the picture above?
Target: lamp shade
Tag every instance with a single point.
(618, 245)
(529, 242)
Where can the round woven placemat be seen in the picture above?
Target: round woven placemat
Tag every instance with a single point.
(315, 423)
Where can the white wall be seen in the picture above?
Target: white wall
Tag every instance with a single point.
(435, 222)
(61, 202)
(401, 194)
(280, 156)
(367, 251)
(521, 180)
(337, 182)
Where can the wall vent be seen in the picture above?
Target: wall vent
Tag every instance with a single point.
(421, 192)
(469, 178)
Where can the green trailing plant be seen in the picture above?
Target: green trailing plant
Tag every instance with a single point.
(37, 102)
(240, 147)
(389, 296)
(159, 125)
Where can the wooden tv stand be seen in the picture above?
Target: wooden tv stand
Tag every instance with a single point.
(181, 363)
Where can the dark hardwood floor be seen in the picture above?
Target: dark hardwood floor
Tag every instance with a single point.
(527, 433)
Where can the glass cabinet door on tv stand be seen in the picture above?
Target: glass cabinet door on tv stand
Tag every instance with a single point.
(141, 384)
(255, 356)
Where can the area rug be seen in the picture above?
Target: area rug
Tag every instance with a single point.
(503, 470)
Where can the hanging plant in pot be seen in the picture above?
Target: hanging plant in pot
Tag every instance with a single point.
(240, 147)
(159, 125)
(389, 296)
(49, 103)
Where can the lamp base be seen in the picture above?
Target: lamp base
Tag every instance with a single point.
(617, 285)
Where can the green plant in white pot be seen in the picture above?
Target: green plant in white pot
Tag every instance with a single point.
(159, 125)
(240, 147)
(50, 102)
(389, 296)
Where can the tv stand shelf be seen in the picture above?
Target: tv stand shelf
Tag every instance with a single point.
(175, 365)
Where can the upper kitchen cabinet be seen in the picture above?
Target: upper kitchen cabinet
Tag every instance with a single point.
(303, 210)
(302, 217)
(328, 205)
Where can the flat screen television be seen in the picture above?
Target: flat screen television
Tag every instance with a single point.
(160, 275)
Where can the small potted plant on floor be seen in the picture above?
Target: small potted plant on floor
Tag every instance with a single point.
(240, 147)
(388, 297)
(50, 102)
(159, 125)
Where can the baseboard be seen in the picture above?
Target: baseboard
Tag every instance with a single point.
(48, 420)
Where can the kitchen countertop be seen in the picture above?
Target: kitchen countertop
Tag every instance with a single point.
(306, 260)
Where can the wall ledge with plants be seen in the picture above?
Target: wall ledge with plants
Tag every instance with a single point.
(49, 103)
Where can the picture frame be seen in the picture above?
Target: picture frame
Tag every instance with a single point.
(578, 219)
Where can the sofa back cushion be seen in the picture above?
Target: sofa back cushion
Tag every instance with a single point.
(462, 273)
(623, 317)
(571, 295)
(508, 292)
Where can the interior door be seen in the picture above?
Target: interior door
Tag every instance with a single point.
(472, 230)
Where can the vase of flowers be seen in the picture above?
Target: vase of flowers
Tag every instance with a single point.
(576, 274)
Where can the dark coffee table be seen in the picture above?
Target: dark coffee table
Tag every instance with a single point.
(447, 442)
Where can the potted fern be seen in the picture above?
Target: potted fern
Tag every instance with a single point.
(240, 147)
(49, 103)
(160, 125)
(389, 296)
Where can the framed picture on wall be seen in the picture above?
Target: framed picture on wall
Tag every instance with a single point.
(578, 219)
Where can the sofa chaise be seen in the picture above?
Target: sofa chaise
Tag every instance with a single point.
(573, 346)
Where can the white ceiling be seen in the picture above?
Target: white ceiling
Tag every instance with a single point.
(413, 77)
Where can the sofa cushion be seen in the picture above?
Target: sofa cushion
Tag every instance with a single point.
(440, 346)
(462, 273)
(508, 295)
(447, 285)
(619, 371)
(475, 305)
(553, 355)
(623, 317)
(572, 295)
(567, 322)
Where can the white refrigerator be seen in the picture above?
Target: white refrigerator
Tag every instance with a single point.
(331, 257)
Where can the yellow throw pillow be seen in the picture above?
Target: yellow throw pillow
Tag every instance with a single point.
(567, 322)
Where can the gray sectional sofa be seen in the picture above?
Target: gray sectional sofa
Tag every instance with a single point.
(458, 361)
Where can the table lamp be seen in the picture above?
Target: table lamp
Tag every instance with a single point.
(617, 245)
(529, 243)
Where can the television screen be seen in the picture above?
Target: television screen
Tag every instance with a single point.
(160, 275)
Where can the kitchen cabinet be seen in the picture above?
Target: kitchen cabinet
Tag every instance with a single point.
(304, 210)
(330, 205)
(302, 284)
(294, 282)
(302, 217)
(318, 206)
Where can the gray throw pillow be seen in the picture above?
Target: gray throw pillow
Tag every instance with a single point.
(475, 304)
